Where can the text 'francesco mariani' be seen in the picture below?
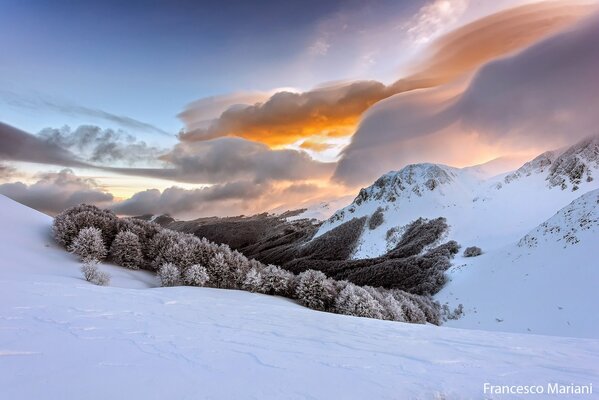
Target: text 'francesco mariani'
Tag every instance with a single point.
(549, 388)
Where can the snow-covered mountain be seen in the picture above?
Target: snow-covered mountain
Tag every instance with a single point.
(537, 271)
(546, 282)
(482, 211)
(62, 337)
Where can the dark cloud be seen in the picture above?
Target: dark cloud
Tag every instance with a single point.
(102, 145)
(17, 145)
(53, 192)
(231, 197)
(230, 159)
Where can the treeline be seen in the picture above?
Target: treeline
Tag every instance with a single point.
(184, 259)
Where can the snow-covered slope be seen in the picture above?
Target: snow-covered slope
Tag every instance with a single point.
(486, 212)
(544, 283)
(63, 338)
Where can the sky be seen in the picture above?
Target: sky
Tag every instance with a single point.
(225, 108)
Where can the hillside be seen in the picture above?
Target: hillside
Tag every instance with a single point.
(65, 338)
(544, 283)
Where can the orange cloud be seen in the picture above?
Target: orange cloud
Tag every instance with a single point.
(316, 145)
(335, 111)
(490, 37)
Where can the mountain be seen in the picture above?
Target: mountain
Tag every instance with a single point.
(536, 271)
(544, 283)
(482, 211)
(60, 334)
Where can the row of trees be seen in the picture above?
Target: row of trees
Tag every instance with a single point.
(184, 259)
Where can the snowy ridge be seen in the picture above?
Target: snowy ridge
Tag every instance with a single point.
(489, 212)
(577, 221)
(109, 342)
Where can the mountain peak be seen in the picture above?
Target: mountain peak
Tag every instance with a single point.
(413, 179)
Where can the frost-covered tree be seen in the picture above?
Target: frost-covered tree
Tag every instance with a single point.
(169, 275)
(218, 271)
(412, 312)
(145, 231)
(196, 275)
(92, 274)
(67, 224)
(355, 300)
(314, 290)
(88, 244)
(276, 281)
(253, 280)
(126, 250)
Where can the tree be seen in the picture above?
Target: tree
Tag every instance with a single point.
(218, 271)
(276, 281)
(169, 275)
(126, 250)
(92, 274)
(196, 275)
(67, 224)
(376, 219)
(355, 300)
(89, 244)
(315, 290)
(253, 280)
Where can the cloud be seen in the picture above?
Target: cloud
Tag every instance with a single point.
(17, 145)
(319, 48)
(433, 18)
(544, 96)
(38, 102)
(229, 197)
(7, 171)
(471, 45)
(231, 159)
(53, 192)
(287, 117)
(335, 110)
(199, 113)
(102, 145)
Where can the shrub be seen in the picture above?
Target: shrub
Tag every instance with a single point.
(126, 250)
(356, 301)
(472, 251)
(169, 275)
(315, 290)
(88, 244)
(196, 275)
(376, 219)
(92, 274)
(448, 314)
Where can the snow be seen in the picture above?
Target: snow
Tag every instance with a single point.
(545, 283)
(61, 337)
